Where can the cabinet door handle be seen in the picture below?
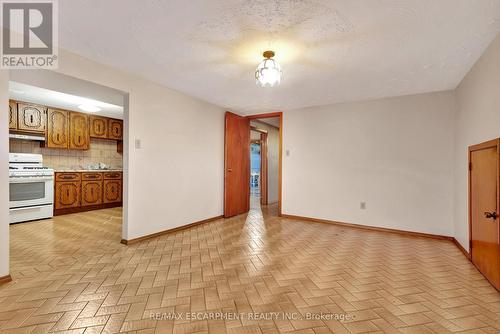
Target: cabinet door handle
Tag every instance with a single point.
(67, 192)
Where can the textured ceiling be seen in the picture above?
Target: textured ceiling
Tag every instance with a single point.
(330, 50)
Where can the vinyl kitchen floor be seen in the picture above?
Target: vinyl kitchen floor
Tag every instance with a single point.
(71, 274)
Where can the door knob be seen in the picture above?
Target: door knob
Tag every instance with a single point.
(493, 215)
(229, 169)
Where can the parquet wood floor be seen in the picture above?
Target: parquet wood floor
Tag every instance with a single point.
(72, 275)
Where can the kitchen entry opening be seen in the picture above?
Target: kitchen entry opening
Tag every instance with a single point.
(67, 156)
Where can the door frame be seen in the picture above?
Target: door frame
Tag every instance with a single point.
(280, 160)
(484, 145)
(263, 170)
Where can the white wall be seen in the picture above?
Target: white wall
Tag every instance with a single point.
(273, 146)
(477, 120)
(176, 178)
(395, 154)
(4, 173)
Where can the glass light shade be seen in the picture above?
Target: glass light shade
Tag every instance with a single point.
(268, 73)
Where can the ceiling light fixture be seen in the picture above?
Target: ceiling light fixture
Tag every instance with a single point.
(89, 108)
(268, 73)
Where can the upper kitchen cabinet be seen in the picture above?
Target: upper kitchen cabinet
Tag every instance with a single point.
(79, 131)
(12, 115)
(31, 117)
(98, 127)
(115, 129)
(57, 128)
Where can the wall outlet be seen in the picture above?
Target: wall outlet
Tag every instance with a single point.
(138, 144)
(362, 205)
(287, 153)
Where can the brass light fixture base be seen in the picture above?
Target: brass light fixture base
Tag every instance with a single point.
(268, 54)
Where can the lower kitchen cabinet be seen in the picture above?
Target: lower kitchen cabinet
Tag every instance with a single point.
(67, 195)
(84, 191)
(91, 193)
(112, 191)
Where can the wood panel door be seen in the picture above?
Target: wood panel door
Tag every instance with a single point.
(115, 129)
(91, 193)
(98, 127)
(112, 191)
(57, 128)
(79, 131)
(31, 117)
(236, 165)
(484, 173)
(67, 195)
(12, 115)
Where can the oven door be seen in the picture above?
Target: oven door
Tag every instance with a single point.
(30, 191)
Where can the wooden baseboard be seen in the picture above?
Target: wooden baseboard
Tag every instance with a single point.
(467, 255)
(5, 279)
(371, 228)
(59, 212)
(172, 230)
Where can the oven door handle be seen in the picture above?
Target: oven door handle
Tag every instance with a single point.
(29, 207)
(30, 179)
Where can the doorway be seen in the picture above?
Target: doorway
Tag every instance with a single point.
(253, 155)
(484, 202)
(259, 165)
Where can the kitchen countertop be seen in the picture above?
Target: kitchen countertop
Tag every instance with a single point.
(87, 170)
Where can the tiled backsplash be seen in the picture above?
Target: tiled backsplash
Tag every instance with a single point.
(101, 150)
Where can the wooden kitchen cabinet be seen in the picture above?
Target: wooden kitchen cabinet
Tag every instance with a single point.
(62, 128)
(57, 128)
(12, 115)
(79, 131)
(98, 127)
(31, 117)
(91, 192)
(87, 190)
(67, 195)
(115, 129)
(91, 188)
(112, 191)
(112, 175)
(67, 176)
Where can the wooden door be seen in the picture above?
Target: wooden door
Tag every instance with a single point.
(115, 129)
(91, 193)
(263, 168)
(484, 204)
(57, 128)
(12, 115)
(112, 191)
(79, 131)
(67, 195)
(98, 127)
(31, 117)
(236, 165)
